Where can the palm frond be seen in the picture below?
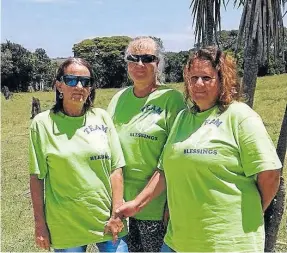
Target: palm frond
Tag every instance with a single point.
(262, 20)
(206, 16)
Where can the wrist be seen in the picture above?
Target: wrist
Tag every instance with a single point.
(115, 207)
(137, 203)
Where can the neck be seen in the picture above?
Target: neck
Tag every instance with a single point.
(205, 108)
(142, 90)
(73, 111)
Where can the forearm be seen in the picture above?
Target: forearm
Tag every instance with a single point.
(117, 189)
(37, 196)
(268, 184)
(154, 188)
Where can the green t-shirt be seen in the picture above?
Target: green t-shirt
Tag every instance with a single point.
(210, 162)
(143, 125)
(75, 156)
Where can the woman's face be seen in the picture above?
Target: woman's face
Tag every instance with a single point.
(203, 84)
(142, 74)
(74, 95)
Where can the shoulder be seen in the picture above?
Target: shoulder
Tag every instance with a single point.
(41, 118)
(169, 94)
(121, 92)
(183, 114)
(241, 111)
(99, 112)
(168, 90)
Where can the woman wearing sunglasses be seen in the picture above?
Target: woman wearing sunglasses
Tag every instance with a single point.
(143, 115)
(75, 166)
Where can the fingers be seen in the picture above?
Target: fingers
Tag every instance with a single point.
(43, 242)
(115, 237)
(114, 226)
(107, 229)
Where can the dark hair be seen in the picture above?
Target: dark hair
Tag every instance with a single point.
(58, 106)
(230, 88)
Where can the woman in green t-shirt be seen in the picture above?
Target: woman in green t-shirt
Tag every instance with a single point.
(221, 167)
(75, 165)
(143, 115)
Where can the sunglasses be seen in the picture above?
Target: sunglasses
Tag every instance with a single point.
(72, 81)
(144, 58)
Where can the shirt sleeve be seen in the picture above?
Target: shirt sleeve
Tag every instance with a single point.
(175, 104)
(257, 151)
(117, 156)
(37, 158)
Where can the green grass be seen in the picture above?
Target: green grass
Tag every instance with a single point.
(17, 220)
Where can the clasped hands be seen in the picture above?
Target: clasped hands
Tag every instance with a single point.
(115, 224)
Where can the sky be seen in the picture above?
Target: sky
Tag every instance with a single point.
(56, 25)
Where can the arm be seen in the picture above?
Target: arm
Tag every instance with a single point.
(42, 236)
(154, 188)
(117, 188)
(268, 184)
(115, 224)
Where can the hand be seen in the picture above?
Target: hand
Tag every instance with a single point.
(114, 226)
(128, 209)
(42, 236)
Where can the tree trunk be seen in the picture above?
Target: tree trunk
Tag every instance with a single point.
(210, 24)
(274, 212)
(250, 71)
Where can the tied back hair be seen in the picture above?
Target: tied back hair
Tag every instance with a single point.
(159, 53)
(225, 65)
(58, 106)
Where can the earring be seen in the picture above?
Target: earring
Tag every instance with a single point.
(61, 95)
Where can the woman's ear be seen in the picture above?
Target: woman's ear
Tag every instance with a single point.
(59, 86)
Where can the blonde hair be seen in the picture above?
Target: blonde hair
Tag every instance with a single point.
(143, 42)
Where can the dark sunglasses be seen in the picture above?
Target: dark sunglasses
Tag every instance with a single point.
(72, 81)
(144, 58)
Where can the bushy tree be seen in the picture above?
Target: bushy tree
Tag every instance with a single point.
(106, 54)
(175, 63)
(21, 68)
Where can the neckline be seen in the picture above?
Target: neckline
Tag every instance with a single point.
(65, 116)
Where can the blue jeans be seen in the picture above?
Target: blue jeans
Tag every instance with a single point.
(165, 248)
(108, 246)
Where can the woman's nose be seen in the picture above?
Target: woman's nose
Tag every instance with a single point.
(140, 62)
(79, 84)
(199, 81)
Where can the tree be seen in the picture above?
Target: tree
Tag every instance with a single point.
(106, 55)
(175, 63)
(273, 214)
(20, 59)
(20, 67)
(42, 69)
(207, 18)
(261, 29)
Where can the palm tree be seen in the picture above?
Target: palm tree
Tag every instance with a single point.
(207, 17)
(261, 31)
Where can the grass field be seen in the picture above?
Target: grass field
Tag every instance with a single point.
(17, 222)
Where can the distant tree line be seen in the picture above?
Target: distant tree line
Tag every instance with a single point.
(23, 70)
